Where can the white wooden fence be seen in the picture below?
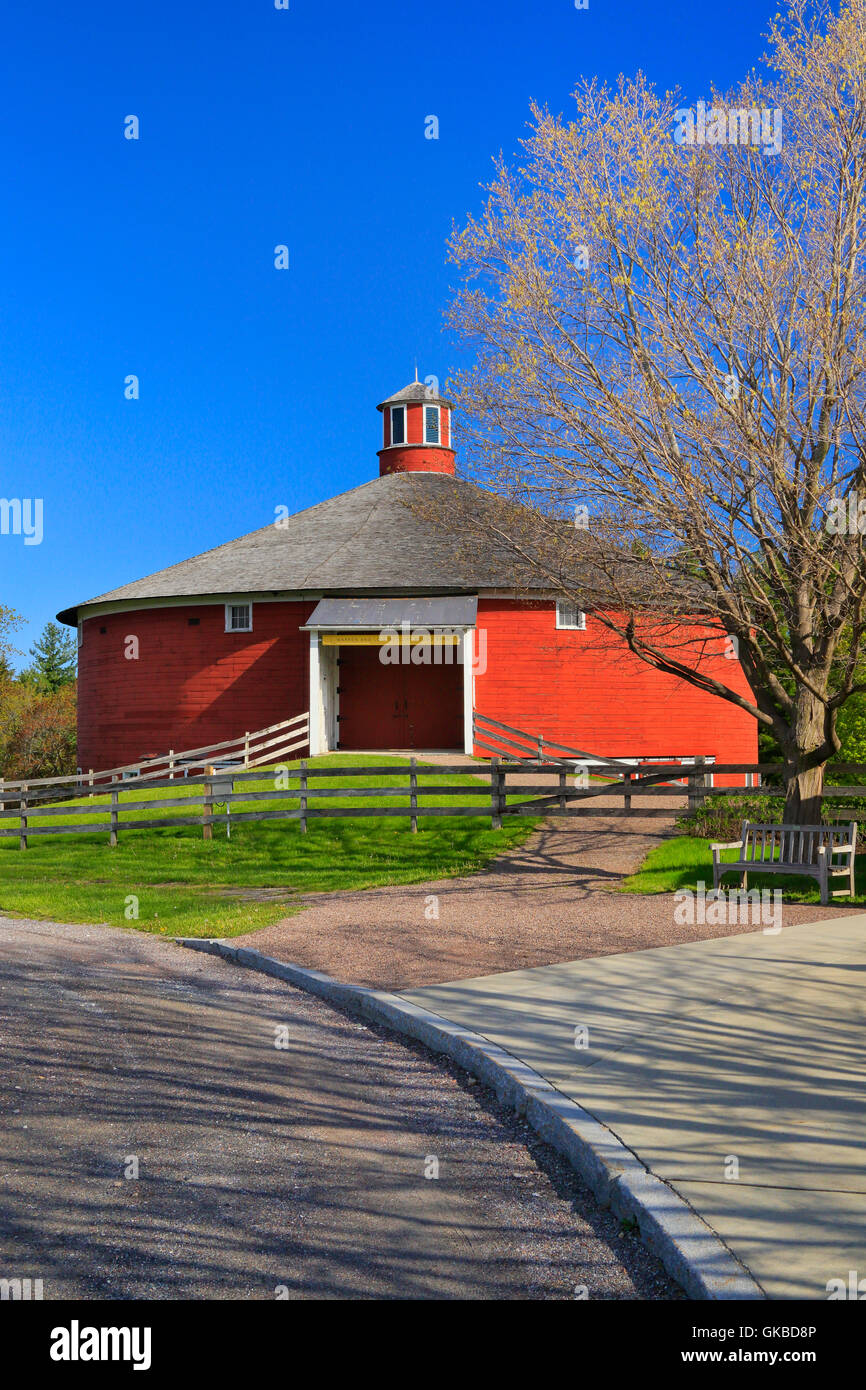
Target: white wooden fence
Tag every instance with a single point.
(250, 749)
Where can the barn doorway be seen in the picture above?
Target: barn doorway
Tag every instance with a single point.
(359, 698)
(403, 705)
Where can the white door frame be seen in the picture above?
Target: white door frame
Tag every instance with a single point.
(316, 705)
(324, 702)
(467, 648)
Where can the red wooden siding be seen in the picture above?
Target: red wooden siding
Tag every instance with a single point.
(427, 459)
(573, 686)
(194, 685)
(191, 685)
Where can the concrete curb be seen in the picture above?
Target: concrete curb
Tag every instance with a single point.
(690, 1251)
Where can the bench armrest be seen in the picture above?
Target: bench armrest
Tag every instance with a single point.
(730, 844)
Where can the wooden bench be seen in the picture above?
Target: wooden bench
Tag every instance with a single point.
(817, 851)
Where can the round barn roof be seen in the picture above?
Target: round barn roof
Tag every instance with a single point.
(377, 538)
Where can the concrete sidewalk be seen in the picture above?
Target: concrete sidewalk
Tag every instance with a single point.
(742, 1053)
(548, 900)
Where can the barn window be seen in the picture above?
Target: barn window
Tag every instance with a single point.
(398, 424)
(568, 615)
(239, 617)
(431, 424)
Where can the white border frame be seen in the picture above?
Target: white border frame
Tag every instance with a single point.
(391, 443)
(240, 603)
(579, 626)
(320, 733)
(434, 443)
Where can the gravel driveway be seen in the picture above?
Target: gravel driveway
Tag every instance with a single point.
(299, 1168)
(550, 900)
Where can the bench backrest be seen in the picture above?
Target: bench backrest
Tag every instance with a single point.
(796, 844)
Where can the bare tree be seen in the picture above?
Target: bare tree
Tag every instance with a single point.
(9, 621)
(666, 313)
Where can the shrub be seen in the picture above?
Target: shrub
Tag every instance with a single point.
(721, 817)
(37, 731)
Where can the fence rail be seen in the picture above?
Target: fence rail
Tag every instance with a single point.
(499, 788)
(519, 745)
(250, 749)
(490, 734)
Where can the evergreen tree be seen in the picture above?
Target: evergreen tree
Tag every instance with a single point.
(54, 660)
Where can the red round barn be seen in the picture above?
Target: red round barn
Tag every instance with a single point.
(296, 617)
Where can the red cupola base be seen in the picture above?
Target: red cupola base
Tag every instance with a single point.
(416, 458)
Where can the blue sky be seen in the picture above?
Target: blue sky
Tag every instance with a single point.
(155, 257)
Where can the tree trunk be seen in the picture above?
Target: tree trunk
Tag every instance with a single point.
(805, 762)
(803, 794)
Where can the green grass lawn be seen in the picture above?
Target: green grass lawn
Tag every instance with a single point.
(685, 860)
(187, 886)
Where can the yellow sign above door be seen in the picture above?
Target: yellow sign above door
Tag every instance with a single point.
(375, 639)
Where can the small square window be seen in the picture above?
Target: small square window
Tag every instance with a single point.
(239, 617)
(398, 424)
(431, 424)
(568, 615)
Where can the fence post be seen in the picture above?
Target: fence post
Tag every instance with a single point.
(207, 809)
(562, 787)
(247, 748)
(22, 812)
(90, 781)
(626, 798)
(112, 834)
(702, 780)
(541, 750)
(303, 794)
(495, 817)
(697, 786)
(707, 780)
(413, 794)
(171, 764)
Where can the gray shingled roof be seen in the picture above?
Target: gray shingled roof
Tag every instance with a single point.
(455, 610)
(367, 539)
(415, 391)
